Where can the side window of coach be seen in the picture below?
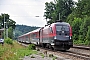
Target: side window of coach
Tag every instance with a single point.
(51, 30)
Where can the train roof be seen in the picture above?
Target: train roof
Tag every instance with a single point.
(62, 23)
(37, 30)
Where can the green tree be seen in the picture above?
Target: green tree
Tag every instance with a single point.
(80, 10)
(87, 42)
(83, 8)
(10, 31)
(76, 27)
(11, 23)
(88, 33)
(50, 8)
(8, 23)
(84, 28)
(80, 31)
(64, 7)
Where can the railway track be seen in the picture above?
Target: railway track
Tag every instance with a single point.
(71, 53)
(78, 55)
(81, 47)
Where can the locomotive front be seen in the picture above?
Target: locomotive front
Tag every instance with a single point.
(63, 38)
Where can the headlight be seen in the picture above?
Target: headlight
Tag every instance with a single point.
(70, 38)
(54, 37)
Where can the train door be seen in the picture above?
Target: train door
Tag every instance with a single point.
(41, 36)
(28, 38)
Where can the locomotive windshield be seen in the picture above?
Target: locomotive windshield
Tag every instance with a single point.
(62, 32)
(62, 28)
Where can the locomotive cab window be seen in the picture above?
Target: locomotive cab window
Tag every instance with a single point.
(66, 28)
(62, 28)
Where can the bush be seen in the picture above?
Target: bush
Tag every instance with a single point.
(9, 41)
(51, 55)
(1, 52)
(87, 42)
(54, 58)
(31, 47)
(38, 49)
(32, 56)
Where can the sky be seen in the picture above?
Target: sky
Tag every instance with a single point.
(24, 12)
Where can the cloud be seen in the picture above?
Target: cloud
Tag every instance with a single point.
(24, 11)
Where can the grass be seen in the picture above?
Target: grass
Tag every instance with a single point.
(14, 52)
(41, 54)
(54, 57)
(32, 56)
(80, 42)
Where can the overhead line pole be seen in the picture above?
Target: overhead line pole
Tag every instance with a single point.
(6, 30)
(4, 26)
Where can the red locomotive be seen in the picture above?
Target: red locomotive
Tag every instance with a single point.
(56, 35)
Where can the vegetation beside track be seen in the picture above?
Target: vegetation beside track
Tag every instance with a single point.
(13, 51)
(80, 42)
